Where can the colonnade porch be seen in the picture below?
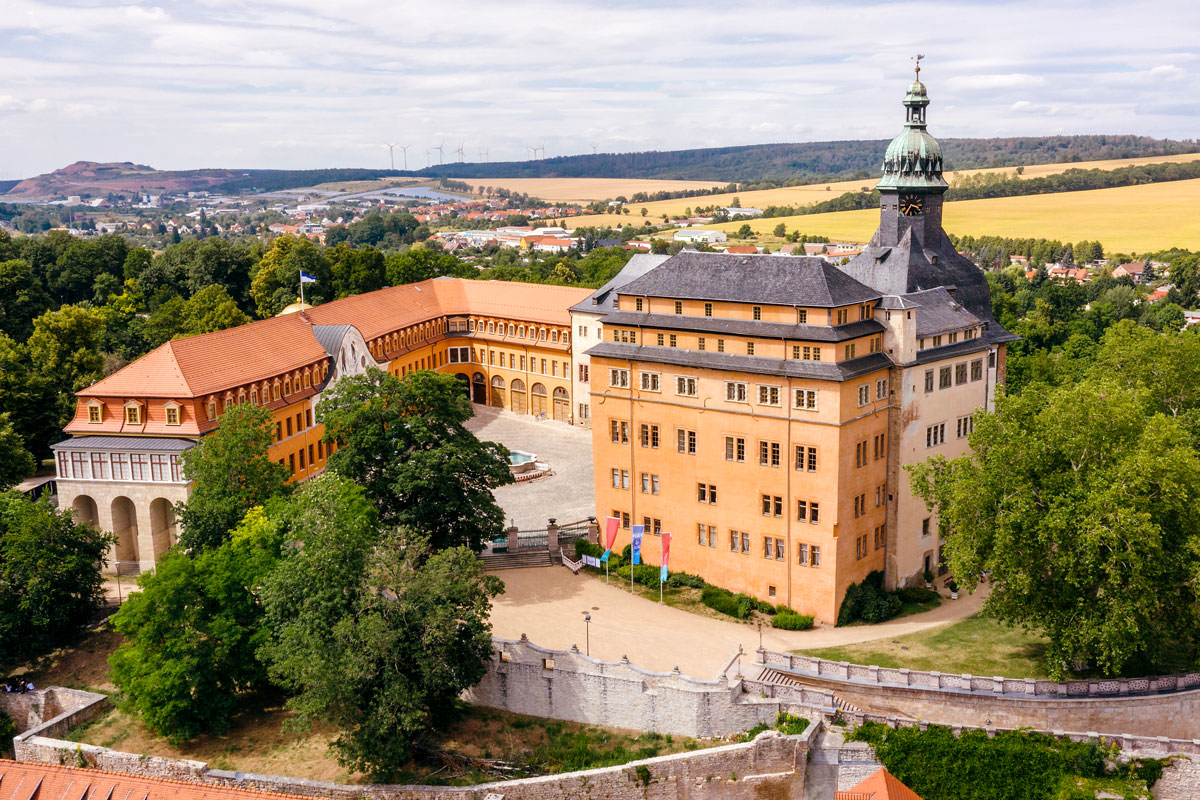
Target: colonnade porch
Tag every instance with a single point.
(141, 516)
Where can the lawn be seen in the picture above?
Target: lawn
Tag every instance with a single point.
(976, 645)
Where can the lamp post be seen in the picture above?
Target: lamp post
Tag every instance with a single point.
(120, 600)
(760, 647)
(587, 633)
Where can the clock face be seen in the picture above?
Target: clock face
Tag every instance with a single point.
(911, 204)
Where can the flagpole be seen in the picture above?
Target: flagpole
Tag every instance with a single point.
(662, 565)
(301, 290)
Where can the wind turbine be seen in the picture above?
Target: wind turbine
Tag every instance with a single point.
(439, 149)
(427, 160)
(404, 150)
(593, 149)
(533, 153)
(542, 148)
(461, 157)
(391, 153)
(483, 154)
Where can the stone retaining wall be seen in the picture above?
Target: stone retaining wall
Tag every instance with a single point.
(1126, 707)
(561, 684)
(772, 766)
(52, 711)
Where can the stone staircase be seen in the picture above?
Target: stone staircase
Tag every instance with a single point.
(533, 557)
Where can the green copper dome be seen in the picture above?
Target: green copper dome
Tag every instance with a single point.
(914, 158)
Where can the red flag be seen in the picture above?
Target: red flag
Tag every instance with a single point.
(610, 535)
(666, 552)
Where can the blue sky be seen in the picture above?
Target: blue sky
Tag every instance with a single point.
(300, 84)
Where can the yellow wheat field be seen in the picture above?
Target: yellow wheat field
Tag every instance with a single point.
(1127, 219)
(819, 192)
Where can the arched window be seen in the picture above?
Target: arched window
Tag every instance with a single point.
(275, 389)
(307, 378)
(241, 396)
(541, 334)
(287, 386)
(212, 408)
(512, 329)
(471, 325)
(554, 336)
(491, 327)
(521, 332)
(228, 401)
(254, 395)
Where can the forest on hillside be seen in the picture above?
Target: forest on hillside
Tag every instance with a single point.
(806, 162)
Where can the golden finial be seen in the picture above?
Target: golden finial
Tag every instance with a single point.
(917, 64)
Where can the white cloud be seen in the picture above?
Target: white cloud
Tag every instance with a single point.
(309, 83)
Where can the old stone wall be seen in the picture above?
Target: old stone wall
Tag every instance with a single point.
(1149, 707)
(772, 766)
(51, 711)
(1180, 780)
(527, 679)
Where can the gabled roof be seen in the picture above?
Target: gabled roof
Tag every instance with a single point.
(937, 311)
(23, 780)
(766, 279)
(601, 300)
(881, 785)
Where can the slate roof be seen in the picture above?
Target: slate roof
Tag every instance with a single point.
(330, 337)
(938, 312)
(757, 365)
(951, 350)
(746, 327)
(124, 443)
(601, 300)
(766, 279)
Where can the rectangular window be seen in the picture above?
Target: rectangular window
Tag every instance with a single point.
(678, 307)
(768, 547)
(672, 340)
(806, 399)
(706, 493)
(637, 304)
(745, 542)
(712, 536)
(749, 348)
(139, 467)
(768, 395)
(735, 448)
(100, 466)
(620, 431)
(802, 510)
(960, 373)
(133, 415)
(618, 378)
(615, 474)
(700, 343)
(708, 309)
(158, 467)
(733, 541)
(928, 380)
(658, 339)
(720, 345)
(842, 315)
(944, 378)
(849, 354)
(648, 435)
(649, 381)
(815, 560)
(964, 426)
(881, 389)
(864, 395)
(302, 458)
(935, 435)
(735, 391)
(120, 466)
(685, 441)
(814, 513)
(172, 415)
(79, 465)
(768, 454)
(93, 413)
(925, 526)
(583, 373)
(685, 385)
(977, 370)
(756, 312)
(806, 458)
(801, 554)
(289, 426)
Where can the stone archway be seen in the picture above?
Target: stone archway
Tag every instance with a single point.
(162, 526)
(497, 396)
(124, 525)
(85, 510)
(520, 403)
(538, 396)
(478, 389)
(562, 405)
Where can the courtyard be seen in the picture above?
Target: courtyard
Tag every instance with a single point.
(567, 494)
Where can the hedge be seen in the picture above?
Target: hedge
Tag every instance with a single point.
(791, 621)
(867, 601)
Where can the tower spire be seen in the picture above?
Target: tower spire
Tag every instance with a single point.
(917, 64)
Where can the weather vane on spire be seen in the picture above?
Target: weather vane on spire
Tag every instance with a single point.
(917, 64)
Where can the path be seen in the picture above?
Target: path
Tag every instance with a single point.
(568, 494)
(548, 604)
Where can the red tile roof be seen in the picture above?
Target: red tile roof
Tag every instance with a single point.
(880, 785)
(21, 781)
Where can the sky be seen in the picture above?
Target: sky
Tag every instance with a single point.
(325, 83)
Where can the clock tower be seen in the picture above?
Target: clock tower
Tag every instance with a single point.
(909, 251)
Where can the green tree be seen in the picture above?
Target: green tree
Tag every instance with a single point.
(1081, 501)
(21, 298)
(744, 232)
(65, 346)
(276, 281)
(781, 230)
(34, 402)
(16, 463)
(421, 264)
(50, 583)
(192, 633)
(373, 633)
(404, 442)
(356, 270)
(230, 473)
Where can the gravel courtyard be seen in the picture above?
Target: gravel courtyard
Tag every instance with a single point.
(567, 495)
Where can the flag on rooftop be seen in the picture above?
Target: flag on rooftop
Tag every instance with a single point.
(306, 278)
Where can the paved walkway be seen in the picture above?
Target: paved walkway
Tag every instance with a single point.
(548, 604)
(567, 495)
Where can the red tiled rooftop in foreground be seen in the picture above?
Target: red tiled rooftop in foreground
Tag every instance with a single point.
(880, 785)
(21, 781)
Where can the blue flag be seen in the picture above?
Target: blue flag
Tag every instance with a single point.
(638, 530)
(306, 278)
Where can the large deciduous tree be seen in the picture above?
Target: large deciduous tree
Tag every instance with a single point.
(405, 443)
(15, 461)
(1084, 503)
(193, 630)
(371, 631)
(50, 581)
(230, 473)
(276, 281)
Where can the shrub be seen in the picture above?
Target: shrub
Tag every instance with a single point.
(681, 579)
(867, 601)
(916, 594)
(791, 725)
(726, 602)
(645, 574)
(585, 548)
(791, 621)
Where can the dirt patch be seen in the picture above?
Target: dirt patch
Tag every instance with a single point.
(83, 665)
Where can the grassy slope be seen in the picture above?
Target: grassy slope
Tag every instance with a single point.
(976, 645)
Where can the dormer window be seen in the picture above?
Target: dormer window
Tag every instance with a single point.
(212, 408)
(172, 412)
(287, 386)
(133, 413)
(95, 411)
